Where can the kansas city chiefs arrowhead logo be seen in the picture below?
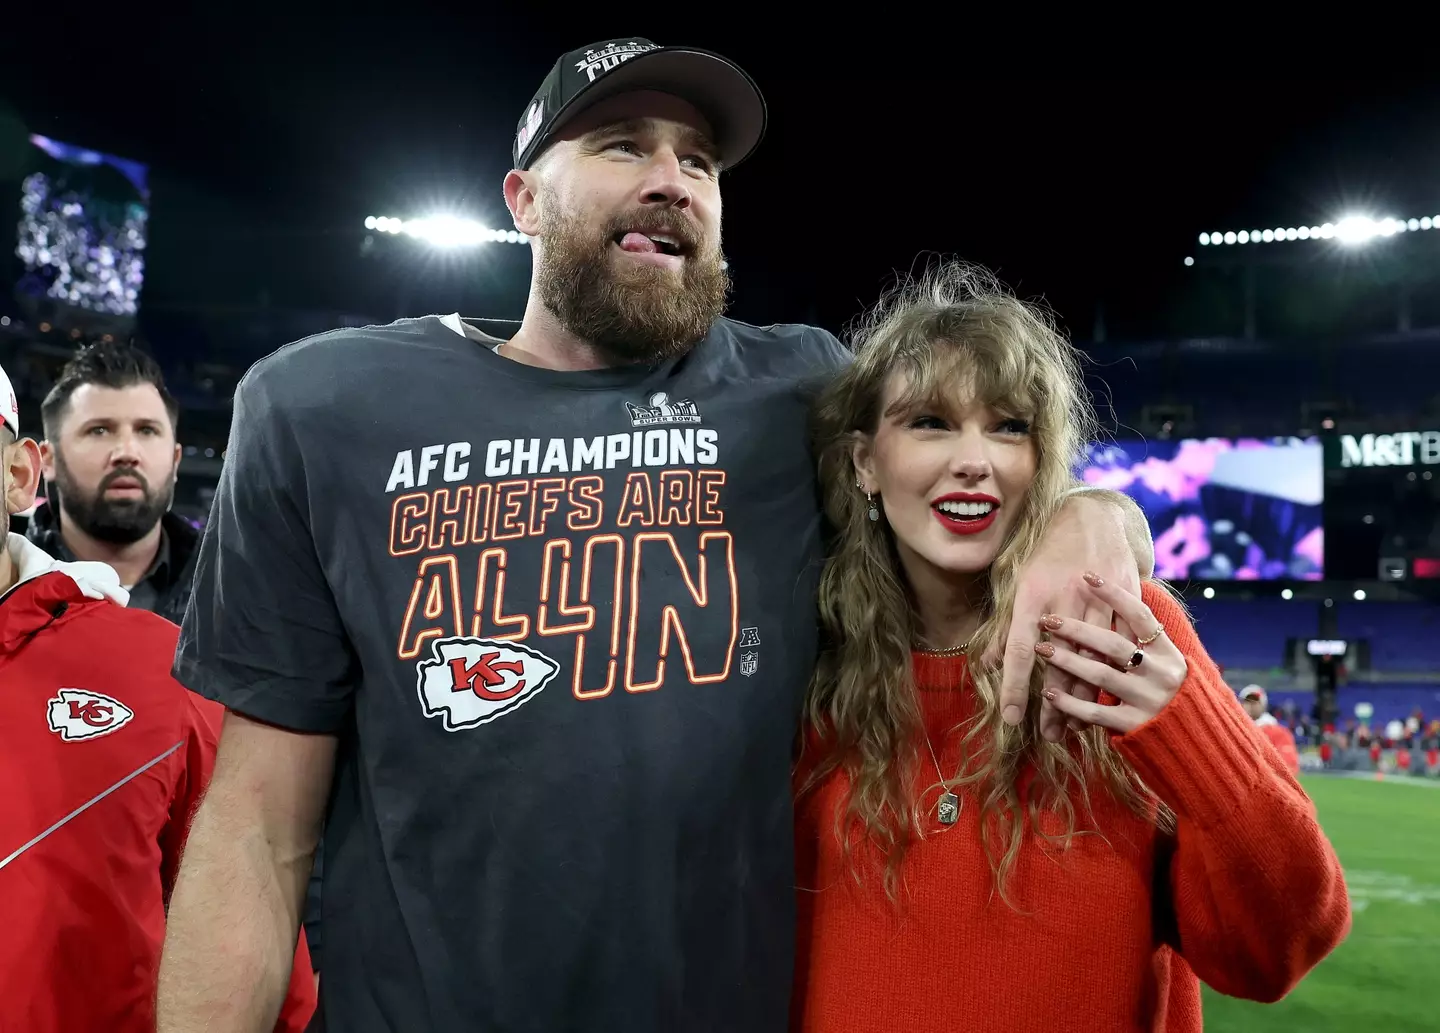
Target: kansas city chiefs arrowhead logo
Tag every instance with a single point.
(77, 714)
(472, 681)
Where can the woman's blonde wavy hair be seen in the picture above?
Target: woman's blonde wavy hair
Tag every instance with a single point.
(956, 330)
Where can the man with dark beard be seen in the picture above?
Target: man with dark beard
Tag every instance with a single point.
(110, 458)
(529, 610)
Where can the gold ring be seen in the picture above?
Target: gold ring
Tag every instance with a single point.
(1153, 636)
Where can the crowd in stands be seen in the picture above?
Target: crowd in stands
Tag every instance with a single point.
(1411, 746)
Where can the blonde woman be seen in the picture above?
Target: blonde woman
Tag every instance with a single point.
(957, 873)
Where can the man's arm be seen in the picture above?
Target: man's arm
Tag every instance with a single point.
(235, 914)
(1137, 528)
(263, 636)
(1095, 530)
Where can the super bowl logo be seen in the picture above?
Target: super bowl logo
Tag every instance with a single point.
(662, 410)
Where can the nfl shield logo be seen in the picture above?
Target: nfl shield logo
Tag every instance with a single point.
(748, 663)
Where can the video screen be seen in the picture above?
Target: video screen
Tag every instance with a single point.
(82, 232)
(1223, 509)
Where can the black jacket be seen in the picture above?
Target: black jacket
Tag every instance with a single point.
(172, 583)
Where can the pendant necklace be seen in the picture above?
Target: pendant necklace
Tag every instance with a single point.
(948, 808)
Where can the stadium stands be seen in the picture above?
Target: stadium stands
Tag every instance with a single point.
(1404, 637)
(1255, 388)
(1251, 635)
(1391, 702)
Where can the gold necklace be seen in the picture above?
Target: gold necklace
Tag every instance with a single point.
(925, 649)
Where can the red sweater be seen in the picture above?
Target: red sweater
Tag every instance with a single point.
(1110, 935)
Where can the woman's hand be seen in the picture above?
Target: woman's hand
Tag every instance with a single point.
(1100, 531)
(1141, 668)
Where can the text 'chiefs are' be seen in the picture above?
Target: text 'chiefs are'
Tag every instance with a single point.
(545, 507)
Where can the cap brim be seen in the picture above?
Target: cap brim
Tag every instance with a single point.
(720, 90)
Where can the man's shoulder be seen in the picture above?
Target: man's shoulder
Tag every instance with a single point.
(323, 362)
(147, 634)
(781, 349)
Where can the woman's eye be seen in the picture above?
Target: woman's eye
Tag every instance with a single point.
(1014, 426)
(927, 423)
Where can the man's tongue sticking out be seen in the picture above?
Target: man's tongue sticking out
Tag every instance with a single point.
(638, 243)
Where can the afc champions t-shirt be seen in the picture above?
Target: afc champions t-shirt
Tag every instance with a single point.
(563, 623)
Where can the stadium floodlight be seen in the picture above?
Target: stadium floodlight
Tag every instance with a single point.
(1356, 229)
(444, 231)
(1351, 231)
(1286, 593)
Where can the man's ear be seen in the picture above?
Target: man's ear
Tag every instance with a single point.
(862, 454)
(521, 197)
(47, 460)
(22, 475)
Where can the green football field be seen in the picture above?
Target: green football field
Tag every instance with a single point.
(1386, 977)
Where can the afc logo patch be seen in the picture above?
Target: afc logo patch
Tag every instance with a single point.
(76, 714)
(472, 681)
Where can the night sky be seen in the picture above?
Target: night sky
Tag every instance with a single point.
(270, 146)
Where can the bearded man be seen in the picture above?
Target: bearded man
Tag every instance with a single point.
(110, 458)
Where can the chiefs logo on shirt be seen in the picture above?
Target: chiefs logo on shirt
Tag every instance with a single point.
(77, 714)
(471, 681)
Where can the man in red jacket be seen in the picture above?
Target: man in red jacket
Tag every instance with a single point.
(1256, 704)
(104, 758)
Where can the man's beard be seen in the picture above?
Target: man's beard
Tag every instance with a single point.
(117, 521)
(637, 314)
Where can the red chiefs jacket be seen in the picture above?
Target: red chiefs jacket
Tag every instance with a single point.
(1282, 739)
(103, 757)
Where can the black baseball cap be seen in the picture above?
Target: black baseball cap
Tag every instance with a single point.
(719, 89)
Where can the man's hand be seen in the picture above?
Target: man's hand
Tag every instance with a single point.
(1100, 531)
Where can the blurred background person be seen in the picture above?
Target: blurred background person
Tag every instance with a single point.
(1257, 705)
(110, 461)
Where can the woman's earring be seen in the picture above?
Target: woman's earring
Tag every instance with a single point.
(874, 511)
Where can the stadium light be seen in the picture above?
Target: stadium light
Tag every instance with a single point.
(1286, 593)
(1351, 231)
(1209, 593)
(444, 231)
(1359, 595)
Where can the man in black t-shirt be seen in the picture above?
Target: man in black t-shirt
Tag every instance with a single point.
(527, 612)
